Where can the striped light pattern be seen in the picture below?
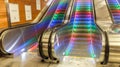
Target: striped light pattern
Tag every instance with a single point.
(114, 6)
(29, 34)
(59, 14)
(30, 42)
(57, 18)
(83, 30)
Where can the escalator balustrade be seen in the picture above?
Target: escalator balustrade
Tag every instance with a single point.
(59, 14)
(23, 38)
(114, 8)
(80, 37)
(110, 51)
(57, 21)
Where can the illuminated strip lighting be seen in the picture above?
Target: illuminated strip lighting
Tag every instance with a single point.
(47, 18)
(41, 26)
(115, 10)
(29, 40)
(59, 15)
(26, 44)
(82, 17)
(35, 45)
(13, 45)
(56, 18)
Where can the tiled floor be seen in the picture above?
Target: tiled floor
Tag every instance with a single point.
(26, 59)
(31, 59)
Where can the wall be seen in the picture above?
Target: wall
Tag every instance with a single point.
(3, 15)
(21, 3)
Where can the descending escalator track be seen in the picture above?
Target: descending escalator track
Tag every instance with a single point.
(59, 15)
(80, 37)
(85, 36)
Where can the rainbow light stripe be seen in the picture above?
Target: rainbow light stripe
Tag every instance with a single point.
(28, 39)
(83, 29)
(31, 41)
(59, 14)
(115, 10)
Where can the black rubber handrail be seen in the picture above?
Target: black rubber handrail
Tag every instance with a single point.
(49, 43)
(107, 49)
(105, 35)
(22, 25)
(3, 52)
(94, 12)
(57, 27)
(106, 56)
(40, 46)
(50, 47)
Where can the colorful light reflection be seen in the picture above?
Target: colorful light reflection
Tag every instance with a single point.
(30, 34)
(83, 26)
(59, 14)
(115, 10)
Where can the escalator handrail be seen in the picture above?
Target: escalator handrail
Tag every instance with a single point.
(24, 25)
(109, 12)
(40, 46)
(56, 28)
(40, 41)
(65, 25)
(106, 56)
(94, 12)
(59, 26)
(113, 23)
(2, 50)
(104, 32)
(50, 47)
(107, 49)
(64, 17)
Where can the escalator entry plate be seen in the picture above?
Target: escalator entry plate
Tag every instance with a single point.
(70, 61)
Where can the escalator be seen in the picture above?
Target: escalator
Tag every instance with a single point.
(80, 37)
(23, 38)
(84, 31)
(103, 17)
(111, 51)
(114, 47)
(57, 21)
(59, 15)
(114, 9)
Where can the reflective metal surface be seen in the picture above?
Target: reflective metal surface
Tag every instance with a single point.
(114, 8)
(47, 39)
(81, 36)
(25, 38)
(103, 17)
(110, 50)
(114, 51)
(31, 59)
